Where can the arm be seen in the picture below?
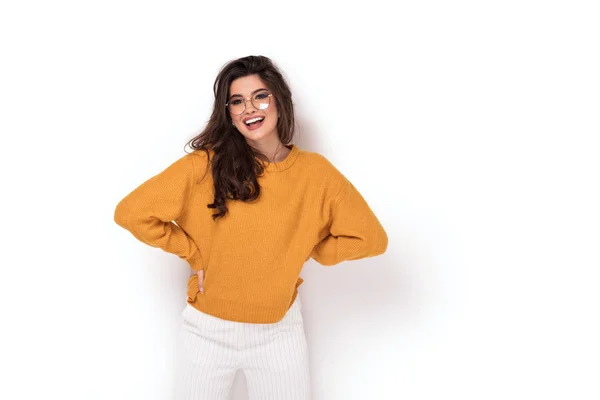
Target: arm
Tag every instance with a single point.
(354, 230)
(148, 211)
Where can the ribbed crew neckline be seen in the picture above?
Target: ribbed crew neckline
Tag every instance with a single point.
(284, 164)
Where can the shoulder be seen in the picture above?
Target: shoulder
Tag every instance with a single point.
(201, 155)
(323, 170)
(318, 160)
(193, 165)
(201, 160)
(196, 158)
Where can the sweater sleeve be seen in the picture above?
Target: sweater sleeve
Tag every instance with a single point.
(354, 231)
(148, 211)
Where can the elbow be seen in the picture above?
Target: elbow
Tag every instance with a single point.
(381, 244)
(121, 213)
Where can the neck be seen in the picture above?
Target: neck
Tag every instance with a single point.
(280, 153)
(274, 151)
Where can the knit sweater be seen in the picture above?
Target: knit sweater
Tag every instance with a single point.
(252, 257)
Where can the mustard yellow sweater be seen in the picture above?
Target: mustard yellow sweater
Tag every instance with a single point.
(252, 257)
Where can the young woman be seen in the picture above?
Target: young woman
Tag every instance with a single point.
(246, 209)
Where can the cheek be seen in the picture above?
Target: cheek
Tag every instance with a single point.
(273, 117)
(272, 114)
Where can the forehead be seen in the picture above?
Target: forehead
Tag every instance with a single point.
(246, 85)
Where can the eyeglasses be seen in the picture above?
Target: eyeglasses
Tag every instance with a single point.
(260, 101)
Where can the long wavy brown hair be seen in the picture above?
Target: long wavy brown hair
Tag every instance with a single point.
(236, 164)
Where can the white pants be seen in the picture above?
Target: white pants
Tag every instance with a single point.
(274, 357)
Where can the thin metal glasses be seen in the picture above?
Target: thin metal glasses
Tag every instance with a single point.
(237, 104)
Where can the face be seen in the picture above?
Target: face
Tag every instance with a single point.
(248, 87)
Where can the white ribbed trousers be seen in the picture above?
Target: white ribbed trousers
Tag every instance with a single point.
(274, 357)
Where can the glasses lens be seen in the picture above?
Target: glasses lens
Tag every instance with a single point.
(236, 105)
(261, 100)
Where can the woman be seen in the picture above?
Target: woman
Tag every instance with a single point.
(249, 209)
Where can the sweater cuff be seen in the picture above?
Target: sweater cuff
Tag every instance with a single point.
(196, 262)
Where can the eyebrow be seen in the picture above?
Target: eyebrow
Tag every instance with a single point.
(257, 90)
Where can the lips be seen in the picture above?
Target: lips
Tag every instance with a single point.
(256, 125)
(253, 117)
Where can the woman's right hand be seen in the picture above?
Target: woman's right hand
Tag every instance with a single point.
(200, 274)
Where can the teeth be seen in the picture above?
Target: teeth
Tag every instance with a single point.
(254, 120)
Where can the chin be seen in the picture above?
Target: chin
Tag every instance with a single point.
(261, 133)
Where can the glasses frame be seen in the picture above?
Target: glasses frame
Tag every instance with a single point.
(251, 102)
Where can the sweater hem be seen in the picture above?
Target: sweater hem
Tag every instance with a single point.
(241, 311)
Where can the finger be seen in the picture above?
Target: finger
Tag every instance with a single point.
(201, 281)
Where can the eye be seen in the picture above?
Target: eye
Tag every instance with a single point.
(261, 95)
(235, 102)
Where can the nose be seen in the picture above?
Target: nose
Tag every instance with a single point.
(249, 106)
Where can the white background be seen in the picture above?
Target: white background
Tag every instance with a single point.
(470, 127)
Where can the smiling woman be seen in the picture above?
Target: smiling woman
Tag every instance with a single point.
(277, 206)
(245, 89)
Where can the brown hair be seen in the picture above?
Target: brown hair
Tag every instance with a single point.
(236, 164)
